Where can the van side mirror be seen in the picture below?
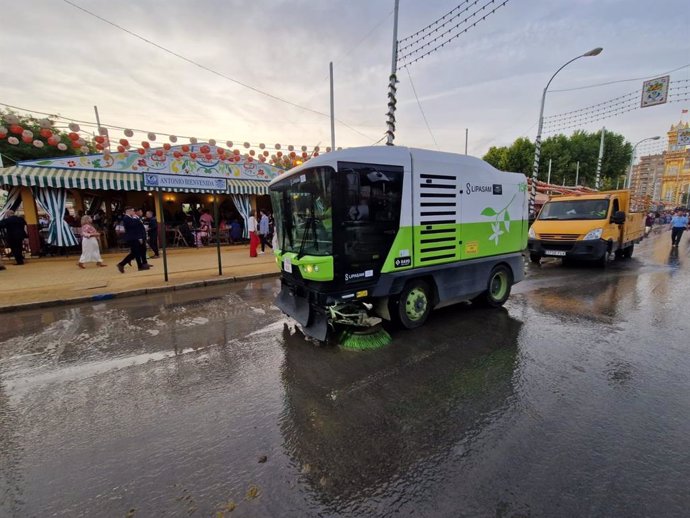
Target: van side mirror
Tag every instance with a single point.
(618, 217)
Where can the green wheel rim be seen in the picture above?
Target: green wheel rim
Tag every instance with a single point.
(499, 285)
(416, 304)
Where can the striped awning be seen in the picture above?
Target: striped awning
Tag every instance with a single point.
(70, 178)
(248, 187)
(108, 181)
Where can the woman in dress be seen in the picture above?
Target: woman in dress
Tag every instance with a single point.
(90, 251)
(253, 228)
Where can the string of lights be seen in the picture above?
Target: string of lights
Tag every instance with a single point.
(441, 44)
(428, 27)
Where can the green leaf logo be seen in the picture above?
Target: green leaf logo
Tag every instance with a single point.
(488, 212)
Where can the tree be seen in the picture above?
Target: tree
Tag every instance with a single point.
(564, 153)
(28, 151)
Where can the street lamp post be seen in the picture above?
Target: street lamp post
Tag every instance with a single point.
(632, 159)
(537, 142)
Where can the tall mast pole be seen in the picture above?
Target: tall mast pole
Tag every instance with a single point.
(330, 68)
(392, 80)
(597, 180)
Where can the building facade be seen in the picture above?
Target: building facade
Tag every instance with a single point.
(647, 176)
(675, 185)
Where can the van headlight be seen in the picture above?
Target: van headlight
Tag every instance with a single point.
(594, 234)
(531, 233)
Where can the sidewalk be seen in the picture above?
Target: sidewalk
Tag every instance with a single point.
(57, 280)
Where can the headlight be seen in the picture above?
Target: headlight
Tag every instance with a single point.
(531, 233)
(309, 268)
(594, 234)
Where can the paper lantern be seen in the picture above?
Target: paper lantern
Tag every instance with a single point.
(262, 146)
(220, 151)
(3, 131)
(265, 153)
(38, 143)
(192, 155)
(151, 136)
(252, 152)
(339, 149)
(279, 154)
(61, 146)
(13, 140)
(236, 152)
(305, 155)
(204, 149)
(84, 149)
(250, 159)
(99, 139)
(177, 154)
(45, 124)
(304, 148)
(75, 144)
(212, 142)
(141, 151)
(316, 153)
(159, 152)
(54, 140)
(291, 147)
(73, 126)
(262, 158)
(166, 146)
(99, 147)
(16, 129)
(145, 145)
(104, 131)
(45, 133)
(247, 145)
(192, 140)
(185, 148)
(73, 136)
(172, 138)
(129, 133)
(26, 139)
(12, 119)
(293, 154)
(228, 143)
(328, 149)
(208, 156)
(80, 141)
(28, 134)
(121, 148)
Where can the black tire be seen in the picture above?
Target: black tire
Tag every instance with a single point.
(628, 251)
(497, 289)
(603, 260)
(535, 258)
(412, 307)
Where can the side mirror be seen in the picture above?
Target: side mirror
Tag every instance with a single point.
(618, 217)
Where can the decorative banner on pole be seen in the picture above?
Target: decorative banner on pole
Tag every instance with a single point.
(174, 181)
(655, 91)
(683, 137)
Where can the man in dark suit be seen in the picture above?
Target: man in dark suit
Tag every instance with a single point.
(135, 235)
(153, 232)
(15, 232)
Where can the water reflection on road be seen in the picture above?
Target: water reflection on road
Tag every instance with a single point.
(571, 401)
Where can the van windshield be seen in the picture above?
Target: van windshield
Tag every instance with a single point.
(574, 209)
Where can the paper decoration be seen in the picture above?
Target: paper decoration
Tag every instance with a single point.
(655, 91)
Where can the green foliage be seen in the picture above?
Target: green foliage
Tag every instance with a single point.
(15, 153)
(564, 153)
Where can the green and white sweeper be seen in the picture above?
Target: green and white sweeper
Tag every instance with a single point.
(390, 233)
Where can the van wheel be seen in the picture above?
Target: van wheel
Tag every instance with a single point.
(413, 305)
(498, 289)
(535, 258)
(628, 251)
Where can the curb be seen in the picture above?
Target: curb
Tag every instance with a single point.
(135, 292)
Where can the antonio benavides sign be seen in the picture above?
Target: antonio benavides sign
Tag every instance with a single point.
(173, 181)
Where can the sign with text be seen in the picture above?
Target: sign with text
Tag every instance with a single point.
(173, 181)
(655, 91)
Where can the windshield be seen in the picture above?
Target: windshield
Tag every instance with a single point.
(303, 212)
(575, 209)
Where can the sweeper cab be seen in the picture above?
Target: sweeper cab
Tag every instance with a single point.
(390, 233)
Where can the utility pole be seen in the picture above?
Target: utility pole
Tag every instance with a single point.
(597, 179)
(577, 173)
(466, 135)
(330, 67)
(392, 80)
(548, 178)
(98, 123)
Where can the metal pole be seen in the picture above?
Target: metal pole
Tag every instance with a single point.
(577, 173)
(163, 235)
(467, 130)
(392, 80)
(98, 123)
(548, 178)
(597, 179)
(216, 220)
(330, 68)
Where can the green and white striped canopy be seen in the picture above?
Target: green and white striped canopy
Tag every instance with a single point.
(106, 181)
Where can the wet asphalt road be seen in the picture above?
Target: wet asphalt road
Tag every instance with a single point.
(574, 400)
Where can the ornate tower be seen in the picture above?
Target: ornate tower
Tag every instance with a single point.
(676, 180)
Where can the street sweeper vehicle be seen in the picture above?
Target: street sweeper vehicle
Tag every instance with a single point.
(390, 233)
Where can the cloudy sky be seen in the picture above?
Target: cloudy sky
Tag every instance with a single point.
(58, 59)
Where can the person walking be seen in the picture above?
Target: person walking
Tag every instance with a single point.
(90, 251)
(648, 223)
(264, 231)
(252, 226)
(15, 232)
(153, 232)
(135, 235)
(679, 223)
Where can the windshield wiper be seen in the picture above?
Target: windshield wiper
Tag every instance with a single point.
(309, 223)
